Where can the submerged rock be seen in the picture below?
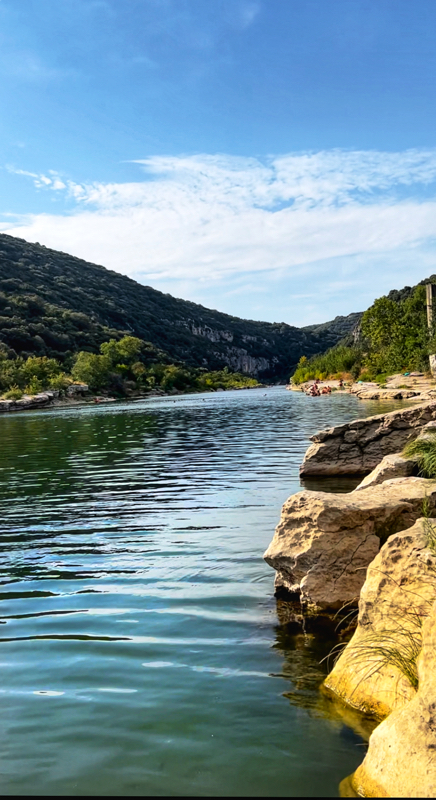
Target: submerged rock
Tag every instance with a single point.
(376, 672)
(357, 447)
(401, 758)
(324, 542)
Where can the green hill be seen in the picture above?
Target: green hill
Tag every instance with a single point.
(53, 304)
(391, 336)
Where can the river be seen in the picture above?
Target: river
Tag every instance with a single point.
(140, 649)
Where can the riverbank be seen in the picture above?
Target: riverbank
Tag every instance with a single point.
(416, 386)
(373, 549)
(50, 399)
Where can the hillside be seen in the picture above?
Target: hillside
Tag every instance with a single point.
(337, 329)
(391, 336)
(54, 304)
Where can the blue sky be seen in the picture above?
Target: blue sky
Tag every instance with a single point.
(275, 159)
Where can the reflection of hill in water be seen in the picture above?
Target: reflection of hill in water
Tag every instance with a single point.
(306, 665)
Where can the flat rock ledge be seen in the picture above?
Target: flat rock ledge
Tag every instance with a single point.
(384, 394)
(324, 542)
(28, 402)
(356, 448)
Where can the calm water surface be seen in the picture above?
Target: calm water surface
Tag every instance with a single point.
(140, 649)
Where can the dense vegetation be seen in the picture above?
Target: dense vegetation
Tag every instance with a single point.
(122, 367)
(393, 337)
(55, 305)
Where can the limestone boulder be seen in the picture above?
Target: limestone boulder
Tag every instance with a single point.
(358, 446)
(396, 598)
(324, 542)
(394, 466)
(28, 402)
(401, 758)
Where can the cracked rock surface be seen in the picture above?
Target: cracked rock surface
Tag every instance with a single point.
(357, 447)
(324, 542)
(401, 758)
(396, 599)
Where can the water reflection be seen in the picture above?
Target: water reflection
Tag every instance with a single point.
(306, 665)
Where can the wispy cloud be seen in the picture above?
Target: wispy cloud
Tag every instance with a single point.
(290, 219)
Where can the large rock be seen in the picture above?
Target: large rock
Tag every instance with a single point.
(401, 758)
(394, 466)
(77, 389)
(27, 402)
(325, 542)
(396, 598)
(357, 447)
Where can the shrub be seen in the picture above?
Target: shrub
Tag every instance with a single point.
(423, 451)
(60, 382)
(34, 386)
(13, 394)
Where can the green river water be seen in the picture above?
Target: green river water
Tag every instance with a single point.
(140, 648)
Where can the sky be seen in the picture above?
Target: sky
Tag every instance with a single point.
(273, 159)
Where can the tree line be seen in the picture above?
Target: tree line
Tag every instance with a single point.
(394, 337)
(121, 368)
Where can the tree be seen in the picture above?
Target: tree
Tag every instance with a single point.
(92, 369)
(123, 352)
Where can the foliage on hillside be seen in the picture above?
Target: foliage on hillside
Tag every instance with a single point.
(337, 329)
(394, 338)
(121, 367)
(54, 305)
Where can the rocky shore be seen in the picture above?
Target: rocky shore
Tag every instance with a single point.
(81, 396)
(417, 387)
(357, 447)
(372, 550)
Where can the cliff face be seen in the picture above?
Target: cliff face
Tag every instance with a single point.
(54, 304)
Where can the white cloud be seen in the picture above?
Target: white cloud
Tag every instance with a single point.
(204, 221)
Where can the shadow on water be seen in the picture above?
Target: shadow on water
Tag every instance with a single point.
(308, 658)
(339, 484)
(307, 662)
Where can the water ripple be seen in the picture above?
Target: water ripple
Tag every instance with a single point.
(133, 531)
